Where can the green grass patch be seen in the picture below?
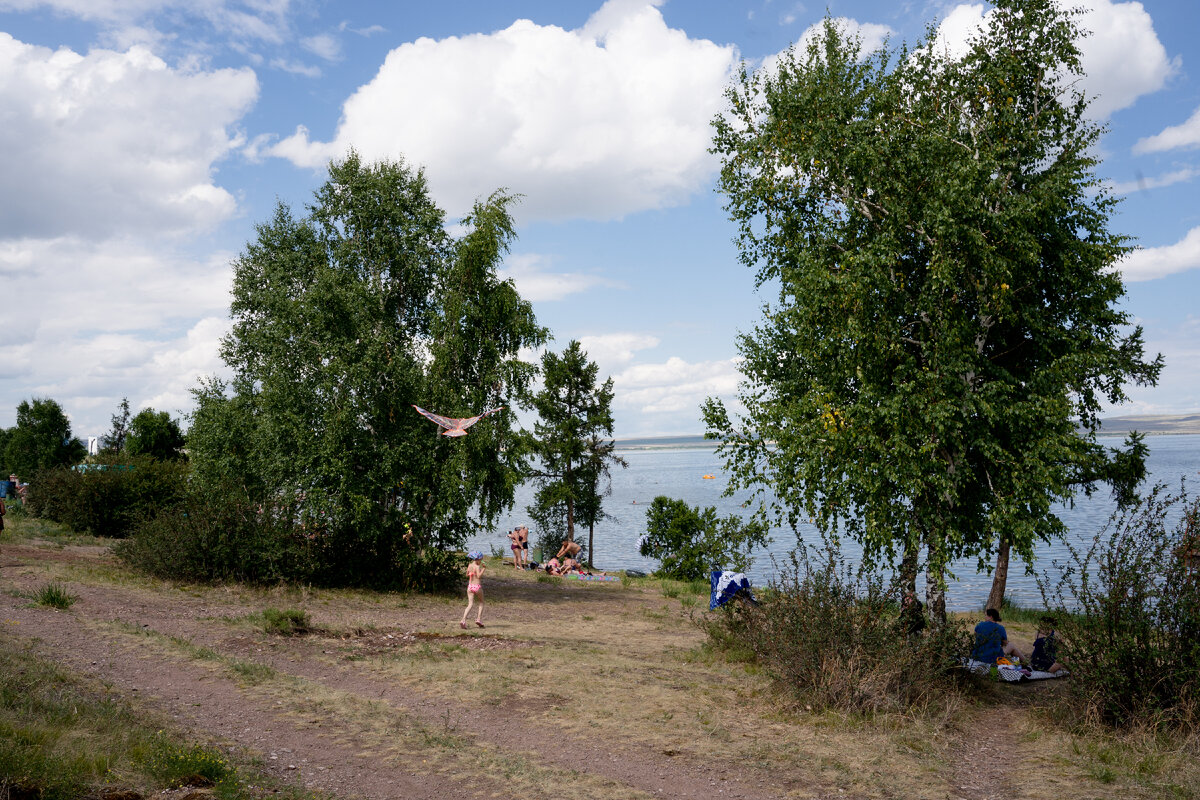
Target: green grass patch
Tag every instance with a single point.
(54, 595)
(285, 622)
(679, 589)
(65, 736)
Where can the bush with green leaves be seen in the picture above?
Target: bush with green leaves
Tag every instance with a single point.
(1129, 617)
(108, 496)
(689, 542)
(832, 638)
(221, 535)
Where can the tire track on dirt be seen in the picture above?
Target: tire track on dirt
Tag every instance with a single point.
(636, 769)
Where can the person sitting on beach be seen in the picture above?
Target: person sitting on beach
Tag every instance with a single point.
(991, 640)
(570, 565)
(553, 567)
(1044, 657)
(569, 548)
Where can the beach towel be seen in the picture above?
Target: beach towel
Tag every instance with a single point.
(1010, 673)
(577, 577)
(726, 585)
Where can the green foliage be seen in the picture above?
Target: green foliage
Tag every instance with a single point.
(831, 637)
(220, 536)
(40, 440)
(154, 434)
(573, 447)
(285, 622)
(689, 542)
(341, 322)
(108, 496)
(1133, 641)
(54, 595)
(947, 326)
(114, 440)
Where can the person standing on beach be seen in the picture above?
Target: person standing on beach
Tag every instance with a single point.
(524, 532)
(514, 537)
(474, 588)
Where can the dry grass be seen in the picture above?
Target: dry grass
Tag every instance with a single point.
(623, 665)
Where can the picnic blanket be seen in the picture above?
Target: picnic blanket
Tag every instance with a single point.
(577, 577)
(1009, 672)
(726, 585)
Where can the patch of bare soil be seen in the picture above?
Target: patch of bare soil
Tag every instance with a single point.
(323, 748)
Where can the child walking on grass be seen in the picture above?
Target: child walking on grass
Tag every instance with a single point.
(474, 588)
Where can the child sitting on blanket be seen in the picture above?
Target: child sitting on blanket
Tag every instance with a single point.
(1045, 648)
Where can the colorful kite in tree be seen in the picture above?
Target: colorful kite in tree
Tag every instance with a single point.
(453, 426)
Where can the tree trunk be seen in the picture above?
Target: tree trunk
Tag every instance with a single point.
(1000, 576)
(911, 613)
(591, 534)
(935, 589)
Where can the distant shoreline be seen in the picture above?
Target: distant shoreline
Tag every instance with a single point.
(1149, 424)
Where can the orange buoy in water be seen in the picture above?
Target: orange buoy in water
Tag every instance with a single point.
(709, 477)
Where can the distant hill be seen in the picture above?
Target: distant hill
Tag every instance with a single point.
(664, 443)
(1149, 424)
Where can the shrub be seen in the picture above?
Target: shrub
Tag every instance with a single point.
(220, 535)
(1133, 641)
(108, 497)
(833, 638)
(208, 539)
(689, 542)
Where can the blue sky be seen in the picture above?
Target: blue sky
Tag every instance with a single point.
(141, 140)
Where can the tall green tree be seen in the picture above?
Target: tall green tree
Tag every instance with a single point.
(156, 434)
(343, 320)
(947, 325)
(114, 440)
(41, 439)
(573, 445)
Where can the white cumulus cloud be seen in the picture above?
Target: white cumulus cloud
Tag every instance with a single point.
(598, 122)
(1157, 182)
(674, 387)
(1149, 263)
(1184, 135)
(535, 281)
(1122, 57)
(86, 321)
(610, 350)
(111, 143)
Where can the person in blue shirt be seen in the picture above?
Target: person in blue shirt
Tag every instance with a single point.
(991, 640)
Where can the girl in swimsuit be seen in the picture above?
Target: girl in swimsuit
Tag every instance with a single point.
(515, 536)
(474, 588)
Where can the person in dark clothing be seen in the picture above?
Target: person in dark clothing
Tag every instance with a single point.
(1045, 648)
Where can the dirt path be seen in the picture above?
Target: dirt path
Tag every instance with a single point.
(315, 711)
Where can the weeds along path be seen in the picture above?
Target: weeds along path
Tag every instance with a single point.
(390, 699)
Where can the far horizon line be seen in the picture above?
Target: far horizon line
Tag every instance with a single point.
(1143, 423)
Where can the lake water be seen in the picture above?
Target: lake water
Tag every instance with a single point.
(678, 474)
